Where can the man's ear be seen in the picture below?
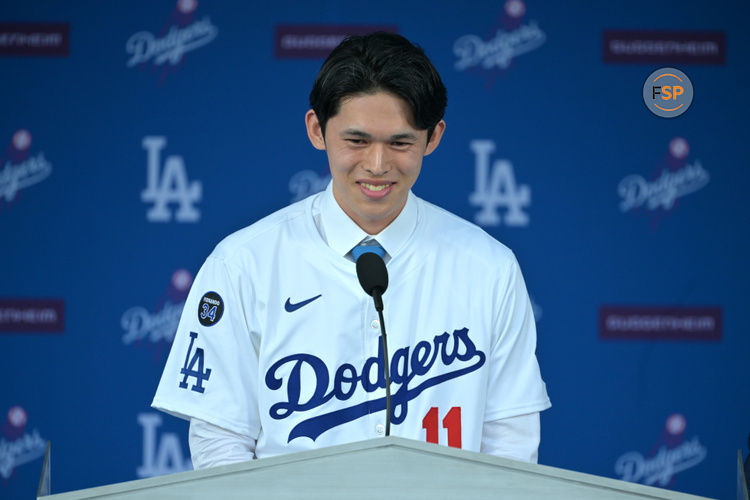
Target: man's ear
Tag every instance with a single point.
(437, 134)
(314, 132)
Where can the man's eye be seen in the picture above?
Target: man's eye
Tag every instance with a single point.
(355, 141)
(400, 144)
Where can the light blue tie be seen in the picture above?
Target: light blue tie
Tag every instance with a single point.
(360, 249)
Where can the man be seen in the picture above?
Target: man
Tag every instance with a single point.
(278, 349)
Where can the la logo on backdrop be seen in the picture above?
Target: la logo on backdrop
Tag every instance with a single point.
(19, 169)
(673, 179)
(162, 451)
(495, 187)
(511, 37)
(169, 185)
(180, 34)
(18, 446)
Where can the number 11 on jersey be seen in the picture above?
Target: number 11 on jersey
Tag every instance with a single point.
(451, 422)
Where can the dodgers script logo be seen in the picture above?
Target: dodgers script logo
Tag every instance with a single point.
(511, 39)
(20, 170)
(674, 179)
(405, 368)
(169, 185)
(181, 34)
(497, 187)
(306, 183)
(17, 446)
(670, 456)
(158, 326)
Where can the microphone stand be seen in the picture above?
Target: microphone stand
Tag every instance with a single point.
(377, 296)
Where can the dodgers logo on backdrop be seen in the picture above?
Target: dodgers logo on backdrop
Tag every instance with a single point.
(159, 325)
(512, 38)
(169, 185)
(306, 183)
(17, 445)
(671, 455)
(306, 371)
(181, 34)
(675, 178)
(162, 453)
(496, 188)
(19, 169)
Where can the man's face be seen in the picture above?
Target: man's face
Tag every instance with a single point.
(375, 154)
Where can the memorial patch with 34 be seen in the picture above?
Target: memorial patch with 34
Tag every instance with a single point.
(210, 309)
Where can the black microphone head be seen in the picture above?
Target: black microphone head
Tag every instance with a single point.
(372, 273)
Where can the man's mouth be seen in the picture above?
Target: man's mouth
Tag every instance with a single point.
(379, 190)
(373, 187)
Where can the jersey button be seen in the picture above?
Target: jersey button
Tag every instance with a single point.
(375, 325)
(380, 429)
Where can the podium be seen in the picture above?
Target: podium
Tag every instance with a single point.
(389, 467)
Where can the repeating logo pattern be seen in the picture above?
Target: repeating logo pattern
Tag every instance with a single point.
(665, 47)
(158, 325)
(496, 187)
(671, 455)
(35, 39)
(675, 178)
(169, 185)
(512, 38)
(162, 452)
(17, 445)
(306, 183)
(20, 169)
(32, 315)
(181, 34)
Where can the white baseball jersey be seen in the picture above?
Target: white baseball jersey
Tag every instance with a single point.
(279, 342)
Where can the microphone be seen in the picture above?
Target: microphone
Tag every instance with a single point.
(373, 276)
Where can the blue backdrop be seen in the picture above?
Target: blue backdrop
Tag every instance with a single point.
(160, 127)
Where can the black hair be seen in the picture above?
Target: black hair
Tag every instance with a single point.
(380, 62)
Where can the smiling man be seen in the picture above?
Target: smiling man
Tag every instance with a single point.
(278, 347)
(375, 153)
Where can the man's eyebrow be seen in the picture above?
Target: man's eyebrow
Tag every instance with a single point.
(405, 135)
(358, 133)
(365, 135)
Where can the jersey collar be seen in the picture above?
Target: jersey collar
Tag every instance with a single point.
(342, 233)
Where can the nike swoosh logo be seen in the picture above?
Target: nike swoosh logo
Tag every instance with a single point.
(293, 307)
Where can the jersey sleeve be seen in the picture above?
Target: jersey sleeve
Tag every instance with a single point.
(515, 384)
(211, 370)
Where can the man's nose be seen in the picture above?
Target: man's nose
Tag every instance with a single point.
(377, 160)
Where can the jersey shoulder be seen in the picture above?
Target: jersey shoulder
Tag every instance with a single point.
(262, 234)
(452, 232)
